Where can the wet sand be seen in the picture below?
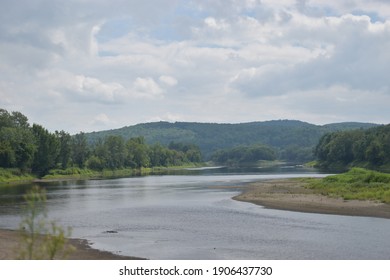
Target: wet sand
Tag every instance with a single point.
(290, 194)
(9, 241)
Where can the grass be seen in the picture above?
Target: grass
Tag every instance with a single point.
(357, 183)
(15, 175)
(311, 164)
(9, 175)
(84, 173)
(71, 172)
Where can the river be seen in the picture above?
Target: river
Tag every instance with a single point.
(186, 215)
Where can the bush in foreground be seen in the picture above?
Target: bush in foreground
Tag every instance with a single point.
(41, 239)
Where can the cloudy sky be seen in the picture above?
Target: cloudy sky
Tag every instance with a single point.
(89, 65)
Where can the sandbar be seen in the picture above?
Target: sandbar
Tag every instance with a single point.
(291, 195)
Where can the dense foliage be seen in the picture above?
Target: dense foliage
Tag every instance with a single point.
(34, 148)
(244, 154)
(365, 148)
(357, 183)
(293, 140)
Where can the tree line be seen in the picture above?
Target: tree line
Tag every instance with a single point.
(244, 154)
(294, 141)
(363, 148)
(35, 149)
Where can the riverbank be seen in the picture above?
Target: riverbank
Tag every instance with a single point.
(16, 176)
(294, 195)
(9, 241)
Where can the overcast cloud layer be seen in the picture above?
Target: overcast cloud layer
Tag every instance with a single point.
(85, 65)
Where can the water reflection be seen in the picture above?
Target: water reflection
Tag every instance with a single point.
(186, 216)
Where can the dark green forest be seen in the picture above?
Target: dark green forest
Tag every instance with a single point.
(360, 148)
(291, 140)
(35, 149)
(242, 155)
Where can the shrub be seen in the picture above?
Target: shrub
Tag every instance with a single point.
(41, 239)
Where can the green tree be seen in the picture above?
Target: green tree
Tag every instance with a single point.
(7, 152)
(115, 152)
(17, 143)
(158, 155)
(189, 152)
(65, 145)
(375, 153)
(47, 152)
(80, 150)
(295, 153)
(367, 148)
(5, 118)
(193, 155)
(97, 161)
(244, 154)
(19, 120)
(137, 153)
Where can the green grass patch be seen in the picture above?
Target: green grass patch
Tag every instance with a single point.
(311, 164)
(357, 183)
(9, 175)
(71, 172)
(85, 173)
(124, 172)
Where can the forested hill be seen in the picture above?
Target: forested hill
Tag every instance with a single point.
(294, 139)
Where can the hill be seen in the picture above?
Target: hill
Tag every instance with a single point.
(294, 140)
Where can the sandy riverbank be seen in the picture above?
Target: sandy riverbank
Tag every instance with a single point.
(290, 194)
(9, 240)
(286, 194)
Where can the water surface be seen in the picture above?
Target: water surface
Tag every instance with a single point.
(188, 216)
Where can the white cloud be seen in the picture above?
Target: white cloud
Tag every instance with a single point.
(168, 80)
(194, 60)
(167, 117)
(147, 88)
(354, 55)
(101, 120)
(216, 24)
(92, 89)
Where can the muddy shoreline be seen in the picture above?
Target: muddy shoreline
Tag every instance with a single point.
(9, 240)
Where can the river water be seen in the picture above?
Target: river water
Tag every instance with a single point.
(187, 215)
